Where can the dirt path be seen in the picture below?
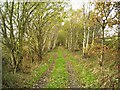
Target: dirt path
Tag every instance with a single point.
(42, 82)
(73, 80)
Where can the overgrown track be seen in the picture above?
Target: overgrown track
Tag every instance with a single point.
(66, 71)
(44, 78)
(73, 80)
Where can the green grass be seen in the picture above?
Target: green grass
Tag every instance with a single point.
(37, 73)
(84, 75)
(21, 79)
(59, 76)
(89, 71)
(86, 70)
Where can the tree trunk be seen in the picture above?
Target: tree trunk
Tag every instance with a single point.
(84, 41)
(49, 45)
(50, 40)
(14, 63)
(102, 51)
(71, 40)
(54, 42)
(93, 38)
(44, 43)
(40, 44)
(66, 42)
(87, 42)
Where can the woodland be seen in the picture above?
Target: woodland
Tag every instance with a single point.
(51, 45)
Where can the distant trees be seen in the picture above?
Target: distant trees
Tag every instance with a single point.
(87, 26)
(73, 30)
(81, 29)
(86, 18)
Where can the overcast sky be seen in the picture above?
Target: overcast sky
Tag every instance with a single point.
(76, 4)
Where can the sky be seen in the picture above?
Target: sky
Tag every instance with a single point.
(76, 4)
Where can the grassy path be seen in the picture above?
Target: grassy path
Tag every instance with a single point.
(64, 72)
(61, 68)
(59, 76)
(37, 77)
(43, 79)
(73, 79)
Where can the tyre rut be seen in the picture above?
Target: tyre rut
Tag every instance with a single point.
(42, 82)
(73, 80)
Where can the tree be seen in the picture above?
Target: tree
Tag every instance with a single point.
(45, 19)
(103, 12)
(14, 19)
